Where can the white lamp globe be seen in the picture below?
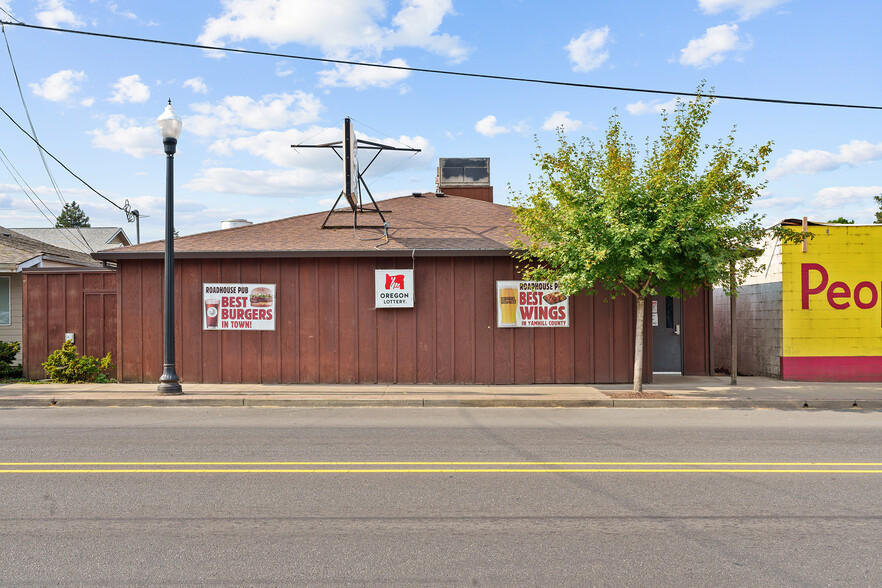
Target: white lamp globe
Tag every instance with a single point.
(169, 123)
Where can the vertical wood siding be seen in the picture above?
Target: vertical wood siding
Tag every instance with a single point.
(697, 317)
(82, 303)
(328, 331)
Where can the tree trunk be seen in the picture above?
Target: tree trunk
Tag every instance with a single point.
(638, 344)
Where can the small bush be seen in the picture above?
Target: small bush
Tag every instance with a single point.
(8, 351)
(64, 365)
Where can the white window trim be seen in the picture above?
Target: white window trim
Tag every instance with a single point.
(8, 299)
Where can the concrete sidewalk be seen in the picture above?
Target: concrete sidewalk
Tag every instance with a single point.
(668, 391)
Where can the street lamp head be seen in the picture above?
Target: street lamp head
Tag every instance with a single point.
(169, 123)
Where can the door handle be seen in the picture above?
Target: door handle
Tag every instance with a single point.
(676, 329)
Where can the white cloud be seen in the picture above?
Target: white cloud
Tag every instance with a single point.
(417, 25)
(835, 197)
(87, 102)
(770, 202)
(561, 118)
(54, 13)
(292, 182)
(130, 89)
(234, 115)
(353, 76)
(586, 51)
(275, 147)
(114, 8)
(59, 86)
(813, 161)
(123, 134)
(197, 85)
(712, 48)
(339, 28)
(487, 126)
(639, 108)
(746, 8)
(282, 69)
(155, 206)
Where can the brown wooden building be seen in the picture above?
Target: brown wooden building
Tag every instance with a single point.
(328, 330)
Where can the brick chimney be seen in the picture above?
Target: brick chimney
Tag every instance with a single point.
(465, 176)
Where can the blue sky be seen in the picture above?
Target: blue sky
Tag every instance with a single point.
(94, 101)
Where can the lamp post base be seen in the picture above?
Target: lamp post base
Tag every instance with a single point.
(168, 382)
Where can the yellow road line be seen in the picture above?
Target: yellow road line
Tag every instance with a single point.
(443, 463)
(433, 471)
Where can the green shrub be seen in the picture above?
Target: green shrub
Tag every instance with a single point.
(64, 365)
(8, 351)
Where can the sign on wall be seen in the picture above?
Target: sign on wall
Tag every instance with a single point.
(832, 298)
(239, 307)
(531, 304)
(394, 288)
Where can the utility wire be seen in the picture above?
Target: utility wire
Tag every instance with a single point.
(85, 183)
(18, 179)
(10, 16)
(34, 131)
(443, 72)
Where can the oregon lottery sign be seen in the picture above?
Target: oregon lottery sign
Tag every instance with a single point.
(239, 307)
(531, 304)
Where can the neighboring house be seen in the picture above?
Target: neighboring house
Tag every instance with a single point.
(19, 252)
(85, 239)
(814, 313)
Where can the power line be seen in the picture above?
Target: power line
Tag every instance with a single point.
(18, 179)
(443, 72)
(85, 183)
(10, 16)
(34, 131)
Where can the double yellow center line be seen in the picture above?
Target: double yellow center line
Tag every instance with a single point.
(435, 467)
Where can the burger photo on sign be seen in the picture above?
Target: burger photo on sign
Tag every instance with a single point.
(261, 297)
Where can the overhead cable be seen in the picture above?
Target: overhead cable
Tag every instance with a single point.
(85, 183)
(444, 72)
(34, 131)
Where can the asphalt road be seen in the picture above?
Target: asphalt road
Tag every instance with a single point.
(476, 497)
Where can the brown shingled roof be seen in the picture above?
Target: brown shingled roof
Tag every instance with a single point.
(449, 225)
(16, 248)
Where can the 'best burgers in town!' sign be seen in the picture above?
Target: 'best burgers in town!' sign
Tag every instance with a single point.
(239, 307)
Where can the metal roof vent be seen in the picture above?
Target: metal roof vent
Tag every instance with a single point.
(233, 223)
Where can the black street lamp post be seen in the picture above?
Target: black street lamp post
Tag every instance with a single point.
(170, 128)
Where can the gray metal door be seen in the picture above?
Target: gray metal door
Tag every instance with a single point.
(667, 325)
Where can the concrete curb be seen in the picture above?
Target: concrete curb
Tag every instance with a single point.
(240, 401)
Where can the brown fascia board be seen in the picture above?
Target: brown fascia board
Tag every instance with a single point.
(69, 270)
(119, 256)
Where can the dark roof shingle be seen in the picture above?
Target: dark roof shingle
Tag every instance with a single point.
(16, 248)
(450, 224)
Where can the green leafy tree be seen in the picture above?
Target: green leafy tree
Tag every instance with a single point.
(878, 199)
(667, 223)
(841, 221)
(72, 216)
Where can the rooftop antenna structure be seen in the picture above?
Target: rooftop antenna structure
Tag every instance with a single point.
(353, 177)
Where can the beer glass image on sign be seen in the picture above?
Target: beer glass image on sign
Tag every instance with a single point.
(508, 304)
(212, 307)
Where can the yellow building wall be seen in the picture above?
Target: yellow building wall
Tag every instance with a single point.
(822, 317)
